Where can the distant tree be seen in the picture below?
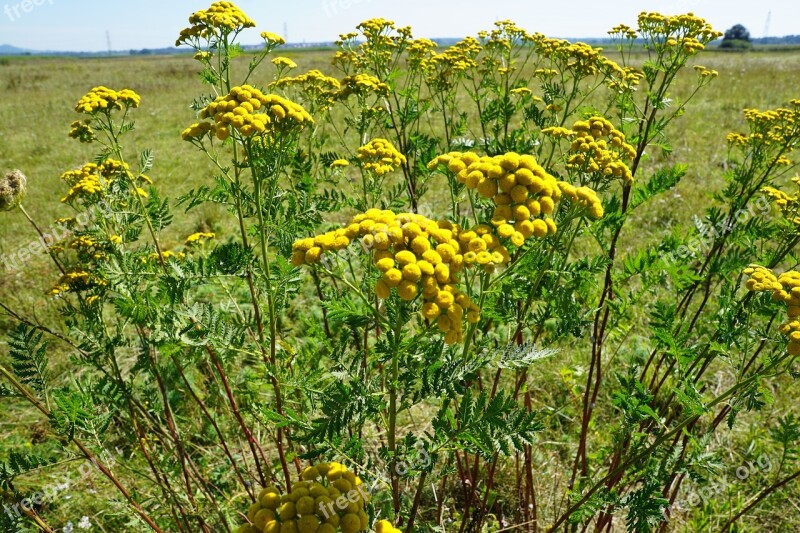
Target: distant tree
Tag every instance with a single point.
(737, 38)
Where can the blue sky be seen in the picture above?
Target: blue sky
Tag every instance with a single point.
(82, 24)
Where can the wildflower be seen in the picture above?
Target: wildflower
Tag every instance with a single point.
(272, 38)
(340, 163)
(104, 100)
(785, 288)
(380, 156)
(521, 190)
(314, 505)
(13, 188)
(199, 238)
(599, 148)
(362, 85)
(82, 131)
(220, 17)
(75, 281)
(284, 62)
(89, 183)
(250, 112)
(417, 256)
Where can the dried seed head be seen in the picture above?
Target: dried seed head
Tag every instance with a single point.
(12, 190)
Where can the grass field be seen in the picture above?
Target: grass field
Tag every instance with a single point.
(36, 109)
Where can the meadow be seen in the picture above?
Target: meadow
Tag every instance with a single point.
(36, 109)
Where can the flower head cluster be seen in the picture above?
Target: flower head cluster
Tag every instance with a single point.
(520, 188)
(272, 38)
(88, 247)
(199, 238)
(317, 88)
(418, 50)
(90, 182)
(578, 58)
(444, 70)
(380, 157)
(12, 190)
(329, 499)
(685, 33)
(599, 148)
(416, 256)
(82, 131)
(250, 112)
(775, 127)
(622, 31)
(624, 79)
(384, 526)
(505, 35)
(788, 204)
(704, 72)
(103, 99)
(75, 281)
(284, 62)
(220, 17)
(362, 85)
(785, 288)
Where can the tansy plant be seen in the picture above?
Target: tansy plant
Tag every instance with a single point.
(359, 346)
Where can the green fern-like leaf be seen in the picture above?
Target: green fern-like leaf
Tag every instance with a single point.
(29, 357)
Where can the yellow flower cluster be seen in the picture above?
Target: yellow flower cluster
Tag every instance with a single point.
(340, 163)
(688, 31)
(778, 127)
(88, 246)
(703, 72)
(221, 16)
(384, 526)
(284, 62)
(311, 79)
(598, 147)
(362, 85)
(166, 254)
(375, 27)
(442, 71)
(74, 281)
(380, 157)
(624, 79)
(416, 255)
(788, 204)
(272, 38)
(317, 88)
(580, 59)
(584, 197)
(199, 238)
(104, 99)
(239, 111)
(89, 182)
(623, 31)
(785, 288)
(419, 50)
(82, 131)
(520, 188)
(329, 499)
